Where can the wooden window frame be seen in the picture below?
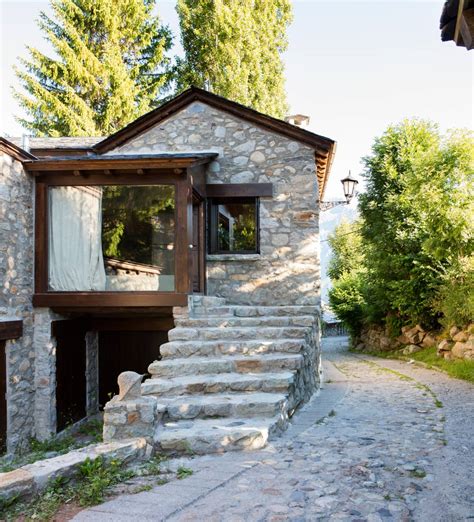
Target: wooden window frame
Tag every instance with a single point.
(83, 300)
(213, 204)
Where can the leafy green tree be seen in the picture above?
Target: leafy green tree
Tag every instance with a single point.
(417, 217)
(234, 49)
(348, 275)
(109, 67)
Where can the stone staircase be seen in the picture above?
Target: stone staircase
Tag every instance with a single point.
(231, 375)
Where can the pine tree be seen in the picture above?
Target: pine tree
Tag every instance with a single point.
(233, 48)
(110, 67)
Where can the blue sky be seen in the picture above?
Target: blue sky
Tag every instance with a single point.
(354, 67)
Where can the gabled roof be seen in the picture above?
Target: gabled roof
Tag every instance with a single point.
(324, 147)
(14, 151)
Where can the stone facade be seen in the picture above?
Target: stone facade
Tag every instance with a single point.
(16, 268)
(287, 270)
(31, 359)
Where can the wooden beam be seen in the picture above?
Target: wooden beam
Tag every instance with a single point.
(457, 30)
(124, 162)
(135, 324)
(11, 329)
(467, 28)
(239, 190)
(85, 300)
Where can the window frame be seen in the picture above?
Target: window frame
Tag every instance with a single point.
(213, 220)
(43, 296)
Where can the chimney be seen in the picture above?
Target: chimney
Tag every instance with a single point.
(300, 120)
(25, 142)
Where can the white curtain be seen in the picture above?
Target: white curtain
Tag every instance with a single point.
(75, 239)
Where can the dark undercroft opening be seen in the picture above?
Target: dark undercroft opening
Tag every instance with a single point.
(120, 351)
(123, 342)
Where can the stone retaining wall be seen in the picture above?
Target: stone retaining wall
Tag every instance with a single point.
(458, 343)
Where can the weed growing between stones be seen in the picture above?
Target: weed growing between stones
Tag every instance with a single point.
(183, 472)
(94, 481)
(89, 432)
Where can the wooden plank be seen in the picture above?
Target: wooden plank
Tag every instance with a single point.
(150, 177)
(182, 273)
(124, 162)
(457, 30)
(41, 238)
(135, 324)
(11, 329)
(109, 299)
(239, 190)
(467, 28)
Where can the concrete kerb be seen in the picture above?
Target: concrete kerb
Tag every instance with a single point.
(31, 479)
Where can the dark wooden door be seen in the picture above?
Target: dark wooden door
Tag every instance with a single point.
(198, 252)
(121, 351)
(70, 372)
(3, 398)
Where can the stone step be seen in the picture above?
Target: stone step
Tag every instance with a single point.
(222, 322)
(234, 333)
(207, 300)
(219, 383)
(255, 311)
(203, 436)
(227, 364)
(225, 405)
(176, 349)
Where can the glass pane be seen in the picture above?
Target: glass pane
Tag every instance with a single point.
(112, 238)
(237, 229)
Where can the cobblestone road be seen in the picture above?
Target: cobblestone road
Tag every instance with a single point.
(383, 441)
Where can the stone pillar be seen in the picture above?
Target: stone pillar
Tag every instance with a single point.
(129, 414)
(92, 373)
(45, 374)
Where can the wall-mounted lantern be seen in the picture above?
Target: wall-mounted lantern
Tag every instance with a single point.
(349, 184)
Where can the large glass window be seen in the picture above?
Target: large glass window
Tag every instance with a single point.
(233, 225)
(112, 238)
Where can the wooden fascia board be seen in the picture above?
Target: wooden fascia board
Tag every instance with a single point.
(15, 152)
(51, 165)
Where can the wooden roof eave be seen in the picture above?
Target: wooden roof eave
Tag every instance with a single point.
(14, 151)
(87, 163)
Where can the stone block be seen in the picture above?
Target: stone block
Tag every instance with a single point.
(429, 341)
(461, 336)
(459, 349)
(16, 483)
(445, 346)
(453, 331)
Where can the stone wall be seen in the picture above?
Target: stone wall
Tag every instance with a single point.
(457, 343)
(287, 269)
(16, 269)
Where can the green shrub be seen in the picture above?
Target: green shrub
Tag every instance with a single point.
(455, 299)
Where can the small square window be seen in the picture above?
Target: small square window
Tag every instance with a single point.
(233, 226)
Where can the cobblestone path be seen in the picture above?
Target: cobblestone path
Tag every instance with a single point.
(383, 441)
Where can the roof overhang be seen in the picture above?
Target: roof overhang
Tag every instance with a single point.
(457, 23)
(122, 162)
(14, 151)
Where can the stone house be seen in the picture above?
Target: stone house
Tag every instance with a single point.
(190, 237)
